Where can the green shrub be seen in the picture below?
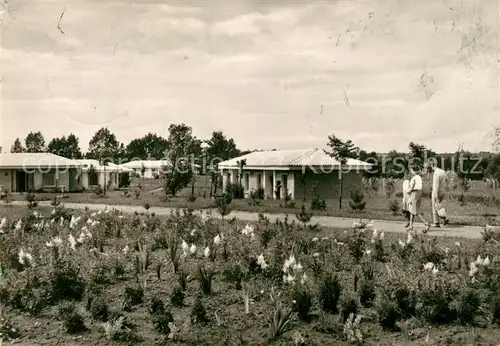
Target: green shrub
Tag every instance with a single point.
(177, 297)
(303, 303)
(329, 294)
(198, 313)
(161, 322)
(132, 296)
(235, 190)
(72, 320)
(357, 202)
(99, 310)
(394, 206)
(66, 283)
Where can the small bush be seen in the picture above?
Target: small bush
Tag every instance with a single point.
(367, 293)
(467, 306)
(329, 294)
(8, 332)
(156, 306)
(204, 277)
(394, 206)
(318, 204)
(132, 297)
(236, 190)
(99, 191)
(177, 297)
(161, 322)
(234, 275)
(66, 283)
(303, 304)
(198, 313)
(357, 202)
(99, 310)
(349, 306)
(73, 321)
(387, 314)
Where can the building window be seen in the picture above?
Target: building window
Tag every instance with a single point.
(259, 181)
(49, 178)
(285, 183)
(247, 181)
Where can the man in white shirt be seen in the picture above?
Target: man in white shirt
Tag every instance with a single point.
(439, 186)
(415, 193)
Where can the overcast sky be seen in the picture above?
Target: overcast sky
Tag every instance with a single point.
(269, 74)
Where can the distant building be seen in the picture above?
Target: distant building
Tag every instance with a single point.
(148, 169)
(295, 172)
(108, 175)
(23, 172)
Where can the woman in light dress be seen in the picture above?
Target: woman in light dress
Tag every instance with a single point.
(406, 199)
(415, 198)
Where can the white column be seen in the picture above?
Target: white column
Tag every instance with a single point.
(291, 184)
(274, 185)
(224, 179)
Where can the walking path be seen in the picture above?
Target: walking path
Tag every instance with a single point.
(471, 232)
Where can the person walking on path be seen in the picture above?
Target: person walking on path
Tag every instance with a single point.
(415, 193)
(439, 184)
(406, 199)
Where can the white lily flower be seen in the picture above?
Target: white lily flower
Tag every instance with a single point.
(315, 239)
(57, 241)
(19, 225)
(192, 249)
(428, 266)
(20, 256)
(53, 211)
(193, 232)
(262, 262)
(472, 269)
(125, 250)
(217, 239)
(72, 242)
(3, 224)
(303, 279)
(207, 251)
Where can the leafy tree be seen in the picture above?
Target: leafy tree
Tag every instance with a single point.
(17, 147)
(493, 169)
(394, 164)
(183, 151)
(34, 142)
(65, 146)
(341, 151)
(104, 145)
(219, 148)
(372, 158)
(419, 154)
(147, 147)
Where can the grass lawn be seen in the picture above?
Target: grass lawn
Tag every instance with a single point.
(377, 206)
(49, 303)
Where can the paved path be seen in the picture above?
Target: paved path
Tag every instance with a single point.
(472, 232)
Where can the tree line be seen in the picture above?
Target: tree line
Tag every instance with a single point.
(181, 143)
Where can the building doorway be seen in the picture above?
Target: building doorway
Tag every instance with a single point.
(21, 181)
